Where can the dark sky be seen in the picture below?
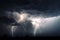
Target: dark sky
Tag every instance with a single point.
(49, 7)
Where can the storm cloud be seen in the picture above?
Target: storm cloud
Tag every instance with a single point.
(46, 11)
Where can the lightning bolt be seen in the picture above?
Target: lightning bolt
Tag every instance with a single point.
(13, 28)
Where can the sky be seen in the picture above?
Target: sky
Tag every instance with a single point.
(31, 11)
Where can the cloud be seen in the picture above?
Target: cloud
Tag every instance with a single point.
(40, 22)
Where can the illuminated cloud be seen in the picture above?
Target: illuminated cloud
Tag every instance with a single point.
(37, 22)
(20, 17)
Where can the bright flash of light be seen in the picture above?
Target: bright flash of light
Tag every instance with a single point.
(20, 17)
(36, 22)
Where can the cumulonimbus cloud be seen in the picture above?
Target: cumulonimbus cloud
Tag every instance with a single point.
(36, 21)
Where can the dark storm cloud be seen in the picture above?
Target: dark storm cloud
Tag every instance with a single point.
(31, 4)
(49, 7)
(46, 7)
